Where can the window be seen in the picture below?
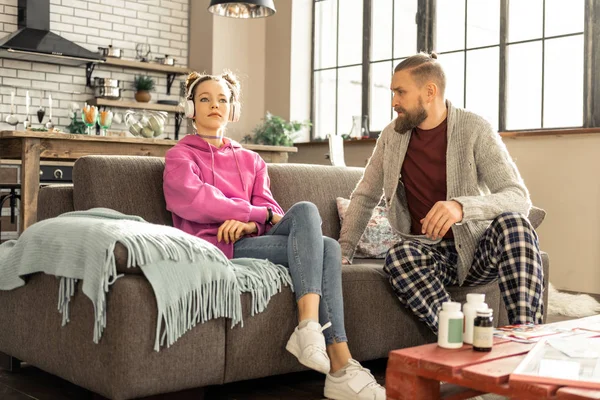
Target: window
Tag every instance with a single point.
(548, 37)
(337, 76)
(468, 43)
(520, 64)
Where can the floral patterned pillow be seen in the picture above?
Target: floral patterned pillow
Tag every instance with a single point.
(379, 235)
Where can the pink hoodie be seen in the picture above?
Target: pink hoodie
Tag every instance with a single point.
(204, 186)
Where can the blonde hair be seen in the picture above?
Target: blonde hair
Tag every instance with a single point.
(228, 77)
(424, 67)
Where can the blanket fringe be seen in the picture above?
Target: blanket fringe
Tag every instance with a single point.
(66, 290)
(139, 253)
(262, 279)
(211, 300)
(109, 277)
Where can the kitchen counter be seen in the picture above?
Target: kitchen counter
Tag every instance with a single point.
(67, 146)
(31, 148)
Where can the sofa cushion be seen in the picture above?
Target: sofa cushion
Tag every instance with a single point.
(319, 184)
(536, 216)
(131, 185)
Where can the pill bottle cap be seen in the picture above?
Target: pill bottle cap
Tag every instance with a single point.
(451, 306)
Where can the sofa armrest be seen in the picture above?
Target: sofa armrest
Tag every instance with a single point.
(54, 200)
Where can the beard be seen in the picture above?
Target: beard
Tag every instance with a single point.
(410, 120)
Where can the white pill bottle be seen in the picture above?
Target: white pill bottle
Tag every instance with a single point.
(450, 326)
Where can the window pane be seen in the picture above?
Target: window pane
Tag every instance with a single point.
(524, 86)
(380, 95)
(483, 23)
(450, 19)
(381, 30)
(324, 103)
(525, 20)
(405, 28)
(564, 16)
(349, 97)
(351, 32)
(483, 83)
(563, 82)
(325, 33)
(454, 67)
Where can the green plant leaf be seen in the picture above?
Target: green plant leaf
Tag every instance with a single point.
(143, 82)
(276, 131)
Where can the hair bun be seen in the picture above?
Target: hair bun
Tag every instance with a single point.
(434, 55)
(190, 79)
(232, 79)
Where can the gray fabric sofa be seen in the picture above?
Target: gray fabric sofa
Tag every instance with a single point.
(124, 366)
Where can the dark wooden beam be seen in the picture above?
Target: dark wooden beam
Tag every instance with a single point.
(502, 93)
(591, 86)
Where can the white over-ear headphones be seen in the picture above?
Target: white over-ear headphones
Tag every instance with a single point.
(190, 110)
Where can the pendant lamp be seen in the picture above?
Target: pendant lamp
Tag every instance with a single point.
(242, 9)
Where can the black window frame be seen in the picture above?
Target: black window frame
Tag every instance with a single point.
(426, 28)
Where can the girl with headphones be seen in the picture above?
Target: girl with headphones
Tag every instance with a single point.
(219, 191)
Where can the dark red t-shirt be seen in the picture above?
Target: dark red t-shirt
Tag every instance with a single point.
(424, 173)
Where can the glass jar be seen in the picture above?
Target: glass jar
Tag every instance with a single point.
(146, 123)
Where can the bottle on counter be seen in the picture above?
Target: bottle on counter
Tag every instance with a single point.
(483, 330)
(474, 302)
(450, 326)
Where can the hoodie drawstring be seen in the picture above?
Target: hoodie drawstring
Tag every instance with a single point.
(238, 168)
(212, 165)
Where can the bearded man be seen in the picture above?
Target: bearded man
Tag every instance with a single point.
(455, 197)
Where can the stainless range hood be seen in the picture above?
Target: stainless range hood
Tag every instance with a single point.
(33, 41)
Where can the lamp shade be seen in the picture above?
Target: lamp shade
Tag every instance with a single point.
(242, 9)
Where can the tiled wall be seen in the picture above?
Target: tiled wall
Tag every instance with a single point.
(163, 24)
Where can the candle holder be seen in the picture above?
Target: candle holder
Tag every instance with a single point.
(49, 124)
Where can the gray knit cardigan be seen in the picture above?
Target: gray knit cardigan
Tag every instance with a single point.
(480, 175)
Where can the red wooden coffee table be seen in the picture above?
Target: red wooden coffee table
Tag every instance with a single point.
(415, 373)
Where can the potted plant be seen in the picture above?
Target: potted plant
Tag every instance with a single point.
(143, 84)
(276, 131)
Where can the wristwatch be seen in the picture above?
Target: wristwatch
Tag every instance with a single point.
(269, 215)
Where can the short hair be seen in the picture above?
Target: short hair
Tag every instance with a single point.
(230, 79)
(424, 67)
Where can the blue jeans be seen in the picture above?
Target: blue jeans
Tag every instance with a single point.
(314, 261)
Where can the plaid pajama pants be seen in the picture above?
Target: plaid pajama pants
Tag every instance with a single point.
(508, 251)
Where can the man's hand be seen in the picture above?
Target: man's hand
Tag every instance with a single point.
(440, 218)
(231, 230)
(276, 218)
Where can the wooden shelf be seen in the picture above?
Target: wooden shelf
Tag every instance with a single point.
(99, 102)
(146, 66)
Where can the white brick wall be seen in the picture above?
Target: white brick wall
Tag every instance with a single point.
(163, 24)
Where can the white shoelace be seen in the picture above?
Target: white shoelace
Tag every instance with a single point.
(327, 325)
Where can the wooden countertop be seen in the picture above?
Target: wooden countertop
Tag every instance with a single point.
(130, 140)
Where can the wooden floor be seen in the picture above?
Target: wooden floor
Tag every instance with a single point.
(33, 384)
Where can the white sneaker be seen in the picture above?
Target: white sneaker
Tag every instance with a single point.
(356, 384)
(308, 345)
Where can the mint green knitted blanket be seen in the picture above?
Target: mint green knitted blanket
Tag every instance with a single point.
(192, 279)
